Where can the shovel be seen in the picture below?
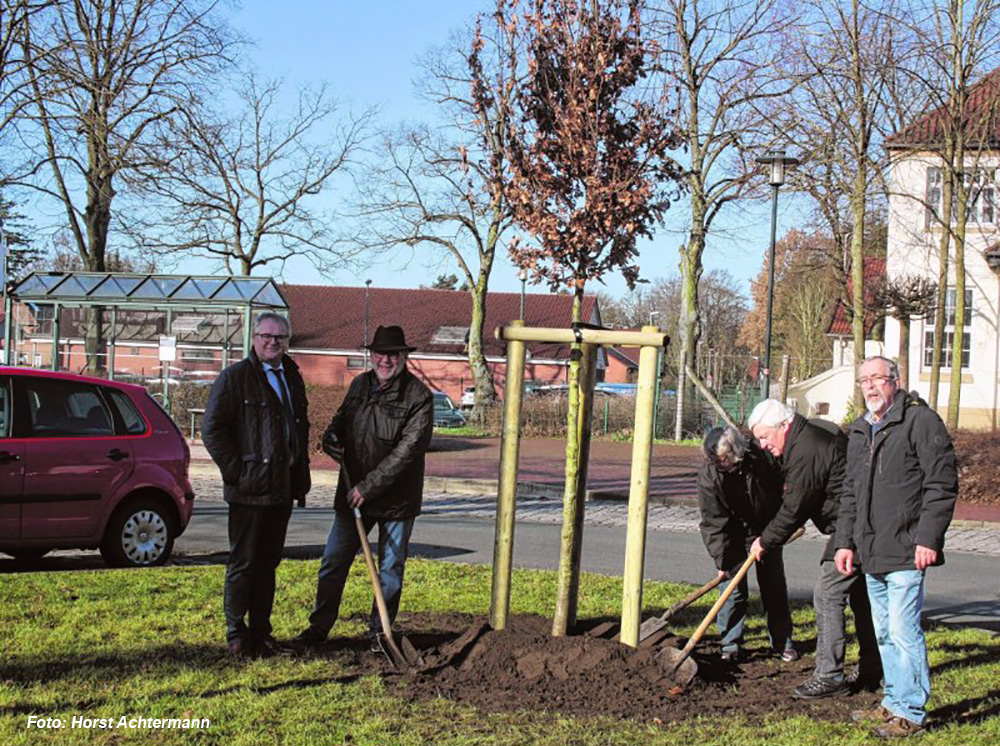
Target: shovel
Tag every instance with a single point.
(684, 669)
(653, 625)
(386, 639)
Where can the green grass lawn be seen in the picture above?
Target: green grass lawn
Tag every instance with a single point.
(149, 643)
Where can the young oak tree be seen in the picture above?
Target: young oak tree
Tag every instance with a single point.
(588, 172)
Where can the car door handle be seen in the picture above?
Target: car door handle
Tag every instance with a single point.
(116, 454)
(7, 456)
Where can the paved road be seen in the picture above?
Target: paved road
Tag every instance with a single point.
(460, 528)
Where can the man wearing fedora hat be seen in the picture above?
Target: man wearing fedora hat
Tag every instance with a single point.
(380, 436)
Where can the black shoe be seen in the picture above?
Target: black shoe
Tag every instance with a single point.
(269, 648)
(789, 655)
(240, 649)
(819, 688)
(310, 637)
(375, 642)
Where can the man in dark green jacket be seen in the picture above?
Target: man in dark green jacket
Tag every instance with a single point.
(256, 429)
(901, 488)
(380, 436)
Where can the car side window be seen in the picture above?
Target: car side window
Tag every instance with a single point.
(5, 409)
(134, 424)
(64, 409)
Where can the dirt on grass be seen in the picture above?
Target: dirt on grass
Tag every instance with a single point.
(977, 454)
(524, 668)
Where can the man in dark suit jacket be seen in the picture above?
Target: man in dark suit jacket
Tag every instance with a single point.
(256, 428)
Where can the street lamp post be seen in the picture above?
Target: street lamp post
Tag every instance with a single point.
(523, 277)
(368, 284)
(778, 161)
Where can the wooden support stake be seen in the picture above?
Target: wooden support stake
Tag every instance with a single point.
(638, 498)
(503, 542)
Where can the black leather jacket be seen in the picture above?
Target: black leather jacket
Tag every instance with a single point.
(737, 505)
(245, 434)
(385, 434)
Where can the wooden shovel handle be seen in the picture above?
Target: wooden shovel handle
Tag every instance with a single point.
(714, 611)
(691, 597)
(383, 610)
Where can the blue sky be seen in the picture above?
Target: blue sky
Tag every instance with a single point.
(367, 52)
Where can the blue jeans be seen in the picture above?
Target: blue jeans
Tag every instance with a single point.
(341, 547)
(773, 596)
(897, 599)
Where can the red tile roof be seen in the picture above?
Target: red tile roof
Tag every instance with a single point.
(333, 318)
(840, 324)
(982, 113)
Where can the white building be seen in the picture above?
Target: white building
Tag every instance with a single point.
(913, 249)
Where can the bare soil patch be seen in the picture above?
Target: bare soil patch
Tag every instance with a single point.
(524, 668)
(978, 454)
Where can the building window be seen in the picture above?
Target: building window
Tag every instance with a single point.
(981, 185)
(949, 332)
(356, 362)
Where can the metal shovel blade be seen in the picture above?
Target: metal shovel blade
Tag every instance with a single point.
(682, 674)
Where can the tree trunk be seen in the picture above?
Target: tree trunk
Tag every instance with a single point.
(569, 538)
(955, 388)
(904, 351)
(689, 322)
(858, 277)
(481, 373)
(939, 312)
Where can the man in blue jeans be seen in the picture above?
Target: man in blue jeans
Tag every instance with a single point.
(900, 494)
(380, 436)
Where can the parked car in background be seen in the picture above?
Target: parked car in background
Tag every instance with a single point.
(445, 413)
(468, 400)
(87, 463)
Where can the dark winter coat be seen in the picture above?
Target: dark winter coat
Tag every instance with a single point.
(737, 505)
(244, 430)
(901, 487)
(813, 467)
(385, 434)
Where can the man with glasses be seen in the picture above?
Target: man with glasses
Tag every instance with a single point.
(739, 492)
(812, 455)
(256, 428)
(380, 436)
(900, 495)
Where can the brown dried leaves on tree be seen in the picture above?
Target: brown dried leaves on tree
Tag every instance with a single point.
(588, 175)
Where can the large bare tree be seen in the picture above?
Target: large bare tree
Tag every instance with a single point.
(104, 75)
(442, 188)
(101, 77)
(718, 57)
(845, 58)
(244, 188)
(959, 44)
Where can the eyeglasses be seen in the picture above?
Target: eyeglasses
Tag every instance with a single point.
(273, 337)
(873, 380)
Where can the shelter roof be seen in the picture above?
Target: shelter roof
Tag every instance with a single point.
(153, 291)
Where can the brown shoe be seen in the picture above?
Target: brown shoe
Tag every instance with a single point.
(897, 727)
(240, 649)
(876, 714)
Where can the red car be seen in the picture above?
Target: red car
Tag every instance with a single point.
(87, 463)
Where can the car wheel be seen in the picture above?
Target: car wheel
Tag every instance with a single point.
(29, 553)
(140, 534)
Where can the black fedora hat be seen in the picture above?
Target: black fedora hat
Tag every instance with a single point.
(389, 339)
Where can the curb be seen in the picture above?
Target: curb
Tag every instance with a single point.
(470, 486)
(537, 490)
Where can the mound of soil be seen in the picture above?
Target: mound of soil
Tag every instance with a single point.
(978, 454)
(524, 668)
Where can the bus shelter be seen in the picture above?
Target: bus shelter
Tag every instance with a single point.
(213, 310)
